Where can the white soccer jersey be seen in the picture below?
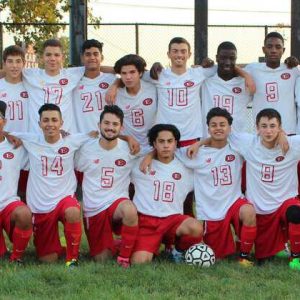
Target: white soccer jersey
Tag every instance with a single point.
(139, 113)
(230, 95)
(297, 93)
(106, 175)
(51, 176)
(89, 101)
(58, 89)
(161, 192)
(217, 180)
(16, 98)
(271, 177)
(275, 88)
(11, 162)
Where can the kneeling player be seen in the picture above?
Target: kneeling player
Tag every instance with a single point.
(106, 164)
(15, 216)
(159, 197)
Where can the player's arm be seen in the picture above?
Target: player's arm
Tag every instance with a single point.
(283, 142)
(111, 94)
(155, 70)
(107, 69)
(192, 150)
(145, 165)
(16, 142)
(133, 144)
(249, 82)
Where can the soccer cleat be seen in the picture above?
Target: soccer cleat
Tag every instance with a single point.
(294, 264)
(245, 263)
(177, 256)
(123, 262)
(72, 263)
(286, 253)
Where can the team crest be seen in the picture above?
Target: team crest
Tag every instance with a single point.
(230, 157)
(237, 90)
(120, 162)
(279, 158)
(189, 83)
(24, 94)
(285, 76)
(96, 161)
(8, 155)
(176, 176)
(147, 101)
(63, 150)
(103, 85)
(3, 95)
(152, 172)
(63, 81)
(81, 87)
(208, 160)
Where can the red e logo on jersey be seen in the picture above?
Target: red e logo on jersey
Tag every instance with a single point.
(63, 81)
(189, 83)
(237, 90)
(285, 76)
(176, 176)
(147, 101)
(229, 158)
(63, 150)
(24, 94)
(103, 85)
(8, 155)
(279, 158)
(120, 162)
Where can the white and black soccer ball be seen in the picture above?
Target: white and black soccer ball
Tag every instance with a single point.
(200, 255)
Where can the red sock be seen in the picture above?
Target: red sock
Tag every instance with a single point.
(294, 237)
(73, 236)
(186, 241)
(20, 239)
(128, 234)
(248, 235)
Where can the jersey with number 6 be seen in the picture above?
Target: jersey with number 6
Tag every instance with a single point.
(217, 180)
(106, 175)
(88, 101)
(58, 89)
(162, 191)
(139, 113)
(16, 98)
(271, 177)
(275, 88)
(51, 176)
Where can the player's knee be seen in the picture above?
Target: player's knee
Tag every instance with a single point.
(22, 217)
(72, 214)
(248, 215)
(293, 214)
(140, 259)
(130, 216)
(196, 228)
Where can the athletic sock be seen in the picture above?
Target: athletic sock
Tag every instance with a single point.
(129, 235)
(186, 241)
(294, 237)
(20, 239)
(248, 235)
(73, 233)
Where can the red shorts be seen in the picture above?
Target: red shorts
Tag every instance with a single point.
(99, 229)
(79, 177)
(152, 230)
(218, 234)
(23, 183)
(45, 227)
(272, 230)
(5, 223)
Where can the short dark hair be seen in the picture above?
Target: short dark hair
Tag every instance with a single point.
(269, 113)
(48, 107)
(2, 108)
(274, 34)
(13, 50)
(218, 112)
(179, 40)
(91, 43)
(226, 46)
(112, 109)
(130, 59)
(156, 129)
(52, 43)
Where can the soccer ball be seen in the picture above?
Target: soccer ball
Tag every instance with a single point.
(200, 255)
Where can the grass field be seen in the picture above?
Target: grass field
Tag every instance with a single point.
(160, 280)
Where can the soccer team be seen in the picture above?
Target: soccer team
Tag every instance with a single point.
(163, 133)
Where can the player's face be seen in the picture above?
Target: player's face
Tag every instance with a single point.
(13, 67)
(110, 127)
(219, 128)
(268, 129)
(92, 58)
(130, 76)
(50, 123)
(53, 59)
(226, 59)
(165, 145)
(273, 49)
(179, 54)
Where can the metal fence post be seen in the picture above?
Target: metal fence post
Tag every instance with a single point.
(137, 41)
(1, 45)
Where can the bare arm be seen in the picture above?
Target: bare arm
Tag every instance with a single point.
(249, 82)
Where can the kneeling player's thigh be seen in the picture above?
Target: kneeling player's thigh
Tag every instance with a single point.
(190, 226)
(124, 209)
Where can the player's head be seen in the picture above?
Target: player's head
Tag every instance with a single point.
(13, 62)
(273, 47)
(219, 123)
(91, 54)
(2, 115)
(52, 56)
(131, 67)
(179, 52)
(226, 58)
(111, 121)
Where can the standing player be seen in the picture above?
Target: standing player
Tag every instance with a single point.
(15, 216)
(159, 199)
(106, 164)
(51, 186)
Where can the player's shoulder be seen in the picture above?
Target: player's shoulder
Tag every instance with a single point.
(146, 85)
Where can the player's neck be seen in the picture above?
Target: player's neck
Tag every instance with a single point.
(92, 73)
(13, 80)
(52, 139)
(218, 144)
(272, 64)
(134, 90)
(268, 145)
(52, 72)
(164, 160)
(178, 70)
(226, 77)
(108, 145)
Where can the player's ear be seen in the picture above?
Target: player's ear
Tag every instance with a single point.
(283, 50)
(168, 53)
(264, 49)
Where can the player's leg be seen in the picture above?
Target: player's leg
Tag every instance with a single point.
(141, 257)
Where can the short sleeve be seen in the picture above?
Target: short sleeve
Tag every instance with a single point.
(240, 142)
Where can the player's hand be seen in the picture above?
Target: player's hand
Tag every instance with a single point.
(64, 133)
(207, 63)
(111, 94)
(192, 150)
(283, 142)
(155, 70)
(250, 84)
(145, 165)
(134, 145)
(16, 142)
(94, 134)
(291, 62)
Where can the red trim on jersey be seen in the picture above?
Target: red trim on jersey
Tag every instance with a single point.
(188, 142)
